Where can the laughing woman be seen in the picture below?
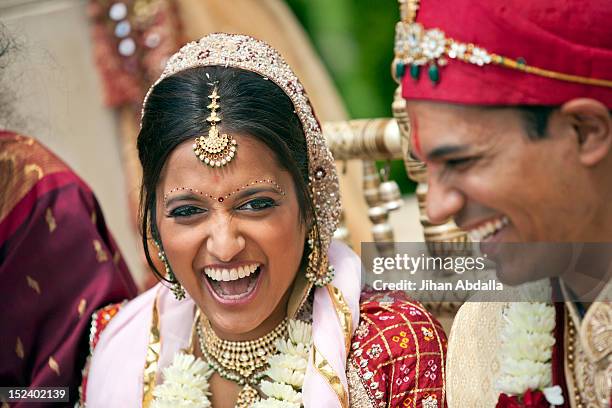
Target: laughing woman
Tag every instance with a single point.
(240, 195)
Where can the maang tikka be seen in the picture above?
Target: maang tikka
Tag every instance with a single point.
(216, 149)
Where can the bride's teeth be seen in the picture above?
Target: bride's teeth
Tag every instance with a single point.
(219, 274)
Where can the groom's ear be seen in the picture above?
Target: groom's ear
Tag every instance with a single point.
(592, 125)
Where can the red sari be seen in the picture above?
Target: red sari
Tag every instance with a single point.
(58, 264)
(399, 350)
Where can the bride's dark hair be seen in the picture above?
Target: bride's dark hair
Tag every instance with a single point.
(176, 112)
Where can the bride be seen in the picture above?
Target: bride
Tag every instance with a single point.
(259, 308)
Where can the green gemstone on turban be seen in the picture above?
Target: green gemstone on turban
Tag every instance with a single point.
(415, 70)
(434, 73)
(400, 69)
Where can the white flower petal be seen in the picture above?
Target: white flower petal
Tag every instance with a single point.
(554, 395)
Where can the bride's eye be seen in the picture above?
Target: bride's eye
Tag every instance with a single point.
(258, 204)
(185, 211)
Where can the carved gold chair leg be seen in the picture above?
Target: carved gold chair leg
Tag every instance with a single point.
(378, 212)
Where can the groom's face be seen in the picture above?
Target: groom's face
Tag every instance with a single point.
(499, 185)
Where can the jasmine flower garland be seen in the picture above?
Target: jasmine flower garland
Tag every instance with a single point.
(526, 351)
(185, 384)
(288, 368)
(185, 381)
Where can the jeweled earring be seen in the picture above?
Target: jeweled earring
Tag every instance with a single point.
(318, 270)
(176, 288)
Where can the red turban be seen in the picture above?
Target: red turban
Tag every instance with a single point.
(572, 38)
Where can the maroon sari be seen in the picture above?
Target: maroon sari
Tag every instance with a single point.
(58, 264)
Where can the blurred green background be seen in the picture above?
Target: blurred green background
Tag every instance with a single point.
(355, 41)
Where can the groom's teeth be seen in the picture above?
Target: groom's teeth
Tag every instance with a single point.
(489, 228)
(231, 274)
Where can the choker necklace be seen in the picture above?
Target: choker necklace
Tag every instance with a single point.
(243, 362)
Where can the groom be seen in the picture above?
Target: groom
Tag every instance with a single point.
(510, 107)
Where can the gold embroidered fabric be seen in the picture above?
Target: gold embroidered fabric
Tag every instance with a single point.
(472, 366)
(23, 162)
(326, 370)
(152, 358)
(358, 395)
(588, 351)
(343, 312)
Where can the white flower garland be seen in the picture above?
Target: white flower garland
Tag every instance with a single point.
(185, 381)
(185, 384)
(288, 368)
(526, 350)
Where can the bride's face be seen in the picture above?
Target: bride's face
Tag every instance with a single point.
(233, 235)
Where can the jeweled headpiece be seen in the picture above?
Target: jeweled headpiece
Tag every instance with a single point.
(505, 52)
(215, 149)
(244, 52)
(416, 46)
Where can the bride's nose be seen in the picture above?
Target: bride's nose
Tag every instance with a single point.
(224, 240)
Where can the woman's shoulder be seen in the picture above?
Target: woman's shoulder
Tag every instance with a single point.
(118, 342)
(116, 325)
(399, 350)
(143, 336)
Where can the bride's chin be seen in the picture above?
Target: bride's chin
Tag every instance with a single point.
(234, 329)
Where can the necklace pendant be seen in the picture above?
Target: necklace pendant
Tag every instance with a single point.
(247, 397)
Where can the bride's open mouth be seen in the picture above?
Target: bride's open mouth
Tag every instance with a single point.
(233, 285)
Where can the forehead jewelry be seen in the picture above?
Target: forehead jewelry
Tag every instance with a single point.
(227, 195)
(215, 149)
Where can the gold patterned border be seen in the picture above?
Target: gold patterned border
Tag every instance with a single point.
(152, 358)
(327, 371)
(343, 312)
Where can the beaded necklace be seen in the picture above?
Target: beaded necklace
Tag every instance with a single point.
(243, 362)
